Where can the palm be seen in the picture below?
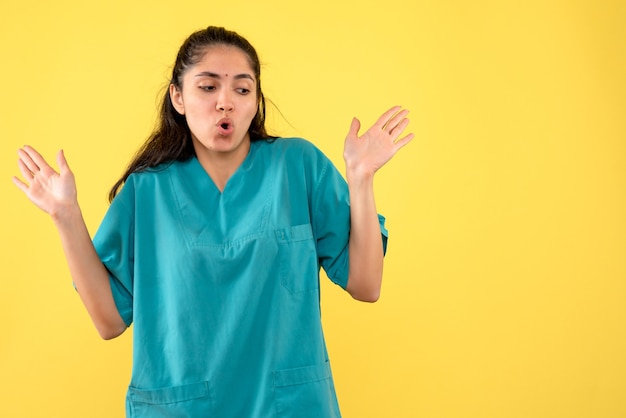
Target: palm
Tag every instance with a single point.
(47, 189)
(370, 151)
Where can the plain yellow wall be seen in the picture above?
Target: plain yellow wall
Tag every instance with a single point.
(505, 282)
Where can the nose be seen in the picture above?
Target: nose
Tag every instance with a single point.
(224, 102)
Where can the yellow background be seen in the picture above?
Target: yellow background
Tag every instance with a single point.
(505, 281)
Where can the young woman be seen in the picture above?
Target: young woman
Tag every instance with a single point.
(213, 242)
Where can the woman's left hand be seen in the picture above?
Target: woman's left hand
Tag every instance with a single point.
(367, 153)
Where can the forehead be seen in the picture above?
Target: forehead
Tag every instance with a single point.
(223, 59)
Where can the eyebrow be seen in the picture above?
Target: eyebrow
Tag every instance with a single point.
(217, 76)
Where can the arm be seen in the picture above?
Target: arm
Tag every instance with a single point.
(364, 156)
(55, 194)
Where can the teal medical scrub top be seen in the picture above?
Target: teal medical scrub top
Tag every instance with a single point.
(222, 288)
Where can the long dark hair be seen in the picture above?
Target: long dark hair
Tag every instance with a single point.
(171, 140)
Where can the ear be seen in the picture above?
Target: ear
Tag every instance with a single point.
(176, 96)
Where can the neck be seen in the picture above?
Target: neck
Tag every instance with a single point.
(220, 166)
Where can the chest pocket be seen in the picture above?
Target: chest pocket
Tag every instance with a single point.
(297, 256)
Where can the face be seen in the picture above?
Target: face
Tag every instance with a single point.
(219, 101)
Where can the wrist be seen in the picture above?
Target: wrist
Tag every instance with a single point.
(66, 215)
(357, 176)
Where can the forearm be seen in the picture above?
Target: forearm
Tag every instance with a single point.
(364, 155)
(365, 245)
(88, 273)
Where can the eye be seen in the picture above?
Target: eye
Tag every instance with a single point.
(207, 88)
(243, 91)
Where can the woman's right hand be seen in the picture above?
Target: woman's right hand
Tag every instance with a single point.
(52, 192)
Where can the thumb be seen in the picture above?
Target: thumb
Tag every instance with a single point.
(62, 163)
(354, 128)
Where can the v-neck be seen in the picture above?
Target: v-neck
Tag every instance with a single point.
(203, 176)
(215, 218)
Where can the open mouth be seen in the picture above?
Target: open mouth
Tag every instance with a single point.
(224, 126)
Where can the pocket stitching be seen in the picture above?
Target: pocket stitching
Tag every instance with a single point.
(199, 390)
(314, 373)
(297, 234)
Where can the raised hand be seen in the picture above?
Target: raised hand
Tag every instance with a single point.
(55, 194)
(50, 191)
(367, 153)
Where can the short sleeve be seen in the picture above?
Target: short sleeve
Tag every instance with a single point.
(331, 224)
(114, 243)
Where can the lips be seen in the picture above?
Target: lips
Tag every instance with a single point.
(225, 126)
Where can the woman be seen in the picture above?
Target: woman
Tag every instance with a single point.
(213, 245)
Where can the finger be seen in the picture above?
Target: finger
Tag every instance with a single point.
(27, 161)
(27, 173)
(398, 129)
(403, 141)
(62, 163)
(20, 184)
(354, 128)
(382, 121)
(396, 120)
(39, 160)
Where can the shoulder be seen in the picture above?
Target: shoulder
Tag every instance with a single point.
(300, 157)
(149, 178)
(290, 149)
(158, 173)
